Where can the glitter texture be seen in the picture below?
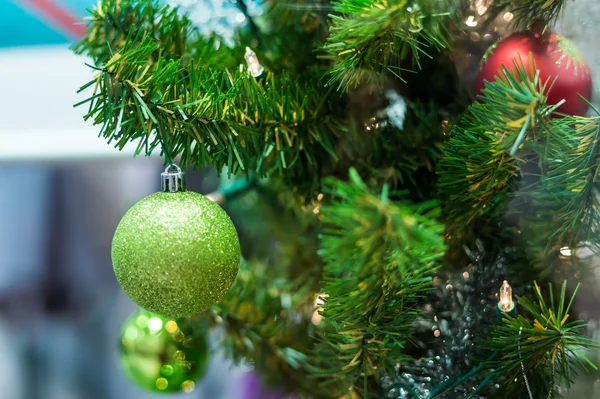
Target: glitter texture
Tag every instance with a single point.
(176, 254)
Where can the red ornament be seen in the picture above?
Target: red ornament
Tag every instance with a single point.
(555, 56)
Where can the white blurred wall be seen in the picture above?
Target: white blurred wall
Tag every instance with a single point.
(38, 87)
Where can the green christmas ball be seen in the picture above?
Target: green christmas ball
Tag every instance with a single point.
(176, 254)
(162, 354)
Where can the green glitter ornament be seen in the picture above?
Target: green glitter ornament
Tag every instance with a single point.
(162, 354)
(176, 252)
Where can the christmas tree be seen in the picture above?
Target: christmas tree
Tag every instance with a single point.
(389, 204)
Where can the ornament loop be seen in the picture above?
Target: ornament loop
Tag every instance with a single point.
(172, 179)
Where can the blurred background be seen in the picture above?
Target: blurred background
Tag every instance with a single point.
(62, 192)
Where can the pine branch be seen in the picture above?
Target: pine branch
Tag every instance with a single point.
(458, 312)
(379, 258)
(556, 205)
(480, 162)
(575, 181)
(509, 162)
(549, 350)
(212, 117)
(289, 31)
(373, 37)
(163, 84)
(267, 318)
(400, 146)
(266, 321)
(113, 23)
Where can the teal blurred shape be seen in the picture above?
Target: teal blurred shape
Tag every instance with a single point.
(21, 27)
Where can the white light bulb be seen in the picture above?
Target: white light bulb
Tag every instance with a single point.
(253, 64)
(318, 306)
(506, 301)
(566, 251)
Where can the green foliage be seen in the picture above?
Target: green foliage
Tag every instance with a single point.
(281, 233)
(403, 156)
(114, 24)
(379, 258)
(548, 350)
(575, 179)
(289, 30)
(556, 203)
(480, 160)
(372, 37)
(158, 91)
(511, 168)
(509, 159)
(212, 117)
(264, 319)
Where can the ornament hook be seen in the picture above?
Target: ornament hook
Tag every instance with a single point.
(172, 179)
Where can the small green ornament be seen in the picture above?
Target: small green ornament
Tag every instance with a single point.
(162, 354)
(176, 252)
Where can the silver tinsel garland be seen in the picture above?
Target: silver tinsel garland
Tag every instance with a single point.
(458, 312)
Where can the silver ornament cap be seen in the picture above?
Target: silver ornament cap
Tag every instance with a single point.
(172, 179)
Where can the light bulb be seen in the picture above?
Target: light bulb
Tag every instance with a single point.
(318, 306)
(566, 251)
(253, 64)
(506, 301)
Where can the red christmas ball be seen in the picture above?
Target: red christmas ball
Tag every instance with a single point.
(555, 56)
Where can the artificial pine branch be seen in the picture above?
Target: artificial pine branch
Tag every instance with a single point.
(556, 204)
(160, 83)
(212, 117)
(264, 319)
(480, 161)
(575, 180)
(379, 256)
(372, 37)
(289, 32)
(459, 311)
(549, 349)
(112, 24)
(511, 160)
(268, 316)
(157, 90)
(403, 146)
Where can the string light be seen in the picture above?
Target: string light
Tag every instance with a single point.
(318, 306)
(506, 303)
(471, 22)
(253, 64)
(566, 251)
